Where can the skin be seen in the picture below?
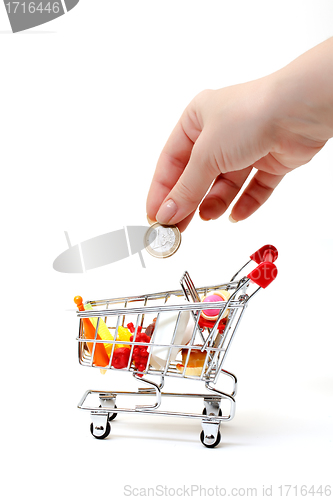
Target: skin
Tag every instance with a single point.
(273, 125)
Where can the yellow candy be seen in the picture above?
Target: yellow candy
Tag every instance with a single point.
(125, 335)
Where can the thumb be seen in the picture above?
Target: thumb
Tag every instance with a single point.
(191, 187)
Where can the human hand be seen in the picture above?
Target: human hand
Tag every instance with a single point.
(273, 125)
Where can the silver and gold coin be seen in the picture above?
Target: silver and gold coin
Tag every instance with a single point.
(162, 241)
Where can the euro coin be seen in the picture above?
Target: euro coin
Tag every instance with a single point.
(162, 241)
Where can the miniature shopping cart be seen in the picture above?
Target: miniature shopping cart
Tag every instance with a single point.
(186, 326)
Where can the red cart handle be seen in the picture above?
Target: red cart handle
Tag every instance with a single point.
(267, 253)
(266, 272)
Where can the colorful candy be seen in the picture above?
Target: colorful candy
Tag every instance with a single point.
(150, 328)
(101, 357)
(120, 357)
(103, 330)
(124, 335)
(164, 333)
(216, 296)
(195, 363)
(140, 353)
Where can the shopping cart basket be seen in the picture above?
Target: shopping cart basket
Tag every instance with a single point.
(160, 334)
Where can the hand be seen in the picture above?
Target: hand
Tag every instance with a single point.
(272, 125)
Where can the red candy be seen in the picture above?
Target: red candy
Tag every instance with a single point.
(140, 353)
(205, 323)
(131, 328)
(120, 357)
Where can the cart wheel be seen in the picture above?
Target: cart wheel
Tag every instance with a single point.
(112, 416)
(212, 445)
(204, 412)
(101, 436)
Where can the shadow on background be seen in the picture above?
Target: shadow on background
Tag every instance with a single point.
(28, 32)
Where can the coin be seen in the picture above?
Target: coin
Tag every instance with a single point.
(162, 241)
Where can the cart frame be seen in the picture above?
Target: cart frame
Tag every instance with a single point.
(216, 344)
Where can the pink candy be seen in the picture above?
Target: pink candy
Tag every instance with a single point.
(212, 298)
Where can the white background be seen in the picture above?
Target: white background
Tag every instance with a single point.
(87, 102)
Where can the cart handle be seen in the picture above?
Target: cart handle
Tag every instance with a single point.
(267, 253)
(266, 271)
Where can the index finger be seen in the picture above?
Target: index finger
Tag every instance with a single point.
(171, 163)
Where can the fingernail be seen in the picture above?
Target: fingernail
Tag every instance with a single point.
(150, 221)
(232, 219)
(166, 212)
(202, 218)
